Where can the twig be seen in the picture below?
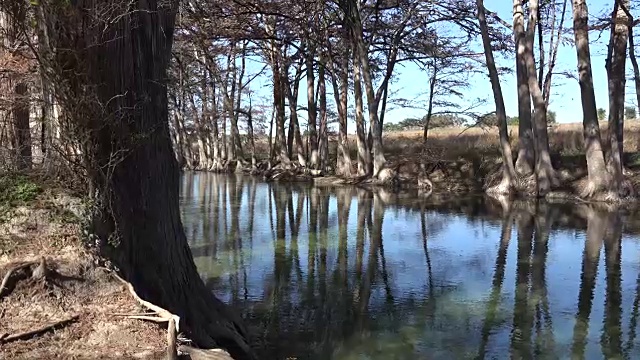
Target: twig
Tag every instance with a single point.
(33, 333)
(5, 280)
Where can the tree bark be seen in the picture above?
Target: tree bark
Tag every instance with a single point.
(361, 56)
(546, 176)
(509, 172)
(596, 168)
(634, 63)
(323, 141)
(131, 165)
(526, 151)
(311, 110)
(22, 131)
(616, 66)
(292, 96)
(364, 159)
(340, 94)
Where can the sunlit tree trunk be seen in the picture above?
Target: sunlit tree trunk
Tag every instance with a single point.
(311, 109)
(323, 141)
(362, 66)
(294, 125)
(546, 176)
(596, 168)
(634, 63)
(526, 154)
(509, 172)
(340, 95)
(616, 66)
(363, 152)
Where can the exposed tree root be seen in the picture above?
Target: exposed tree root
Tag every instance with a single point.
(161, 315)
(204, 354)
(12, 277)
(36, 332)
(504, 187)
(158, 315)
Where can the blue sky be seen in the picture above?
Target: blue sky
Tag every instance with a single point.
(410, 81)
(565, 98)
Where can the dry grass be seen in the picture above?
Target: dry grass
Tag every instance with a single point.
(45, 228)
(564, 139)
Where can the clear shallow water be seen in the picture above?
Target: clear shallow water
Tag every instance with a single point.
(345, 273)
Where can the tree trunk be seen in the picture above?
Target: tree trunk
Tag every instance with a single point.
(432, 89)
(596, 168)
(526, 152)
(361, 56)
(235, 132)
(323, 141)
(294, 126)
(546, 176)
(634, 63)
(44, 51)
(363, 152)
(311, 111)
(198, 120)
(22, 131)
(616, 66)
(206, 120)
(214, 126)
(138, 215)
(252, 142)
(372, 107)
(340, 94)
(509, 172)
(278, 98)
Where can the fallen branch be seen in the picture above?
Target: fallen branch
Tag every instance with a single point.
(5, 281)
(33, 333)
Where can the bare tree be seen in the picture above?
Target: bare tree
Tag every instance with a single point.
(616, 66)
(598, 176)
(509, 172)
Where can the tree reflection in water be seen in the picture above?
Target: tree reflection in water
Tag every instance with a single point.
(403, 277)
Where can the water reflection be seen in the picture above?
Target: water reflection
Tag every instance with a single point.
(346, 273)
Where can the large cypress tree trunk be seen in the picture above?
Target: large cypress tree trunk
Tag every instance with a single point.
(340, 93)
(616, 66)
(546, 176)
(130, 160)
(526, 155)
(596, 168)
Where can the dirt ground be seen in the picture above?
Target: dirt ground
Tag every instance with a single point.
(76, 288)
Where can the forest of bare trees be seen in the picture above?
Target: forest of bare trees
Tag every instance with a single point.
(123, 95)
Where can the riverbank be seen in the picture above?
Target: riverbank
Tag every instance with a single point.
(57, 298)
(458, 160)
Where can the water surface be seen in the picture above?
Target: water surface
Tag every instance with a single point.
(346, 273)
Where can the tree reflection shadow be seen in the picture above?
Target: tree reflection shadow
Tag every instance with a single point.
(361, 292)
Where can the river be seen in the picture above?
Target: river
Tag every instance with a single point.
(346, 273)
